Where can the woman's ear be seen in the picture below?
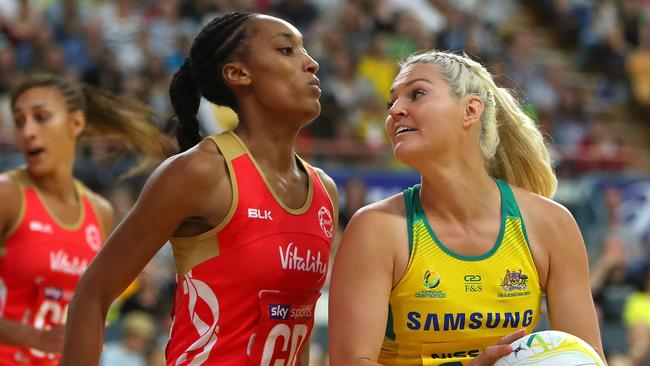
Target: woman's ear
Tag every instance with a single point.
(77, 122)
(474, 107)
(235, 73)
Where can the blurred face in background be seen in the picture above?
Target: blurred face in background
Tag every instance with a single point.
(46, 131)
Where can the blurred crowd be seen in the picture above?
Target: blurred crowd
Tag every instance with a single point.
(580, 67)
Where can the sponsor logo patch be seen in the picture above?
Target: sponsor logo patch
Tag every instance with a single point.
(256, 213)
(40, 227)
(286, 311)
(430, 281)
(93, 237)
(473, 283)
(514, 284)
(325, 221)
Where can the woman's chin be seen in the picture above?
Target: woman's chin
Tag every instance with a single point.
(406, 154)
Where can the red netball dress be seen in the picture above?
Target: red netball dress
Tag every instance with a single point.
(247, 288)
(41, 262)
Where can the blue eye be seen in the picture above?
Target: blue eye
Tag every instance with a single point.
(417, 93)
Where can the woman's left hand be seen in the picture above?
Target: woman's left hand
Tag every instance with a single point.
(492, 353)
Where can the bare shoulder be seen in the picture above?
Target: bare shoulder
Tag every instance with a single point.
(7, 186)
(393, 205)
(542, 213)
(384, 215)
(195, 182)
(328, 182)
(377, 233)
(11, 201)
(202, 165)
(193, 175)
(104, 210)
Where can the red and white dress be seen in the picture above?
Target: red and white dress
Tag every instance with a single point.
(41, 261)
(247, 288)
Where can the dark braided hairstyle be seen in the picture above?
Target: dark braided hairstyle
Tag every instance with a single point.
(108, 114)
(218, 43)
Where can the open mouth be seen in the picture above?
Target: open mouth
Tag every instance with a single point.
(403, 129)
(35, 151)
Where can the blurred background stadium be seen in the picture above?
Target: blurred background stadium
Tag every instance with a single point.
(580, 67)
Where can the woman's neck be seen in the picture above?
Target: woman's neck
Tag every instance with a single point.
(457, 194)
(272, 147)
(57, 185)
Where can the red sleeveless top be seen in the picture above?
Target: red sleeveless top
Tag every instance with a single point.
(247, 288)
(41, 262)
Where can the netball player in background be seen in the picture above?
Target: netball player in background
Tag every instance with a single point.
(51, 226)
(435, 275)
(250, 223)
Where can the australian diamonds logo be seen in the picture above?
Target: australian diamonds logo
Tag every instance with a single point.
(430, 281)
(515, 284)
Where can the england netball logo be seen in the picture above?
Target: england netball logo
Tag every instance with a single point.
(93, 238)
(205, 324)
(325, 221)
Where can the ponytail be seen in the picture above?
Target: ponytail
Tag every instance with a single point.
(185, 99)
(217, 44)
(521, 157)
(131, 121)
(512, 146)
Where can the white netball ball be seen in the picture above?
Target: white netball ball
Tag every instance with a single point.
(551, 348)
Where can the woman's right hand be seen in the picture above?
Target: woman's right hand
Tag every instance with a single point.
(492, 353)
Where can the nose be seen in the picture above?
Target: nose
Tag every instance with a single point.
(397, 111)
(311, 65)
(28, 130)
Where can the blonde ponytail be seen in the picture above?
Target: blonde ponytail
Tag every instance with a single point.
(521, 157)
(512, 146)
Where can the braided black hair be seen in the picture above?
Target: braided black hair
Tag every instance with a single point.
(217, 43)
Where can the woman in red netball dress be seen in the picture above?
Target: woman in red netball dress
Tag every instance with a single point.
(51, 226)
(250, 222)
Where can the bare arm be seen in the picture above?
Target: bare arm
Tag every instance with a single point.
(13, 333)
(362, 279)
(176, 191)
(568, 288)
(10, 207)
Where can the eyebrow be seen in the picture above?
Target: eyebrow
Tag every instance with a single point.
(33, 106)
(283, 34)
(411, 82)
